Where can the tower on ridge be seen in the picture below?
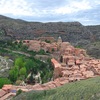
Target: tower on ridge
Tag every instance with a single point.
(59, 41)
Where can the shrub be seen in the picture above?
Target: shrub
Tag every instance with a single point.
(22, 71)
(29, 64)
(41, 52)
(4, 81)
(47, 41)
(13, 74)
(18, 82)
(18, 92)
(19, 62)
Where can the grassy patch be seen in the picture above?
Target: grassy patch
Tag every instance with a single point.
(82, 90)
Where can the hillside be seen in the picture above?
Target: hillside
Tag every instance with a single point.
(95, 31)
(94, 48)
(82, 90)
(73, 32)
(69, 31)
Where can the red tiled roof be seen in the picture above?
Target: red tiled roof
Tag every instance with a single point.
(6, 87)
(56, 64)
(2, 93)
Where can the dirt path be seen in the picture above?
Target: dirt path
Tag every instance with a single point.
(19, 52)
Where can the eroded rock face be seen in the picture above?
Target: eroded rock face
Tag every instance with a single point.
(5, 65)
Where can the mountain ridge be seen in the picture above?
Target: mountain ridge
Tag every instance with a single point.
(73, 32)
(16, 27)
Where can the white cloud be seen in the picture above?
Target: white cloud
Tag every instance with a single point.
(96, 2)
(52, 10)
(22, 7)
(74, 6)
(15, 7)
(32, 8)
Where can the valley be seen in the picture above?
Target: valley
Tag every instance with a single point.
(38, 56)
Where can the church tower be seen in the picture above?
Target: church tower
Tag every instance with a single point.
(59, 41)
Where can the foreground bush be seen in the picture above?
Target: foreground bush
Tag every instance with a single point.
(4, 81)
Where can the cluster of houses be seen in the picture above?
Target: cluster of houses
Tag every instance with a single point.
(72, 65)
(48, 44)
(7, 91)
(75, 64)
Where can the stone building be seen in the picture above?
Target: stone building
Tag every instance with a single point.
(47, 38)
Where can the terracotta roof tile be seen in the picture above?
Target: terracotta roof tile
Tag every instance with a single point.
(2, 92)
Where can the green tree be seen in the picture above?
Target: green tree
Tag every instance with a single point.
(53, 49)
(41, 52)
(31, 79)
(18, 92)
(19, 62)
(4, 81)
(47, 41)
(24, 48)
(61, 59)
(22, 71)
(29, 65)
(15, 43)
(13, 74)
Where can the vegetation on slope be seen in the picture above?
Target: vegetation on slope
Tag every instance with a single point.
(94, 49)
(81, 90)
(4, 81)
(23, 67)
(25, 63)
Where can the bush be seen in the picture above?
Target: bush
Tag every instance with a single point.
(18, 92)
(42, 52)
(22, 71)
(19, 62)
(18, 82)
(13, 74)
(47, 41)
(4, 81)
(29, 65)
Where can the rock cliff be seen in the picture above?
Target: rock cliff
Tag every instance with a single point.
(5, 65)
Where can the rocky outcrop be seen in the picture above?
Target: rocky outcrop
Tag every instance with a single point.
(5, 65)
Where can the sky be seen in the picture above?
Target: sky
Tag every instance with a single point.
(86, 12)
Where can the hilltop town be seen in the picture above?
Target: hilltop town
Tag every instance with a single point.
(70, 64)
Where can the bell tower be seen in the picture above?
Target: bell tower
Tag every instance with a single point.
(59, 41)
